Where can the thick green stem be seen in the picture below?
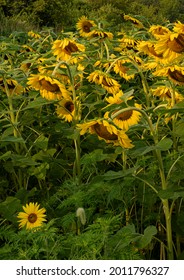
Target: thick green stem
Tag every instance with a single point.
(76, 118)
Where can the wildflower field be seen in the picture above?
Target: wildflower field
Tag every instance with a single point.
(92, 143)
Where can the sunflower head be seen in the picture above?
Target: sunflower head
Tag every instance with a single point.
(174, 73)
(32, 217)
(65, 109)
(84, 26)
(11, 87)
(157, 30)
(33, 35)
(134, 21)
(64, 48)
(103, 79)
(49, 87)
(107, 132)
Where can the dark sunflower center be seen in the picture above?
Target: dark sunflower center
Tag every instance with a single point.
(168, 94)
(48, 86)
(176, 75)
(69, 106)
(123, 68)
(86, 27)
(177, 45)
(32, 218)
(102, 131)
(71, 48)
(125, 115)
(11, 85)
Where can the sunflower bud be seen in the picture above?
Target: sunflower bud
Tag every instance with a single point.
(80, 213)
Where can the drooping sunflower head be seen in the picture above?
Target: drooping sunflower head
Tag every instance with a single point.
(171, 45)
(65, 109)
(121, 67)
(64, 48)
(49, 87)
(126, 43)
(148, 48)
(11, 87)
(178, 27)
(34, 35)
(157, 30)
(100, 34)
(166, 93)
(103, 79)
(126, 119)
(32, 217)
(107, 132)
(174, 73)
(134, 21)
(84, 26)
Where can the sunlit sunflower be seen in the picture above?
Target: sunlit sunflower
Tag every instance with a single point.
(25, 67)
(34, 35)
(65, 109)
(134, 21)
(50, 88)
(165, 93)
(121, 67)
(84, 26)
(27, 49)
(126, 43)
(170, 46)
(116, 98)
(32, 216)
(158, 30)
(11, 87)
(100, 34)
(126, 119)
(103, 79)
(174, 73)
(178, 27)
(108, 132)
(64, 48)
(148, 48)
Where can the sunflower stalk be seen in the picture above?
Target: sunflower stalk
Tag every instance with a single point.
(165, 202)
(13, 119)
(77, 165)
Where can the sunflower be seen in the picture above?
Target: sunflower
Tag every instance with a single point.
(165, 93)
(50, 88)
(84, 26)
(121, 68)
(66, 109)
(127, 118)
(108, 132)
(126, 43)
(158, 30)
(99, 33)
(103, 79)
(33, 35)
(32, 216)
(170, 46)
(25, 67)
(116, 98)
(148, 48)
(133, 20)
(63, 49)
(178, 27)
(174, 73)
(11, 87)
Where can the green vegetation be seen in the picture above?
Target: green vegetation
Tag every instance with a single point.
(91, 130)
(23, 15)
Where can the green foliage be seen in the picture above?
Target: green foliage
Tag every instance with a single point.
(122, 190)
